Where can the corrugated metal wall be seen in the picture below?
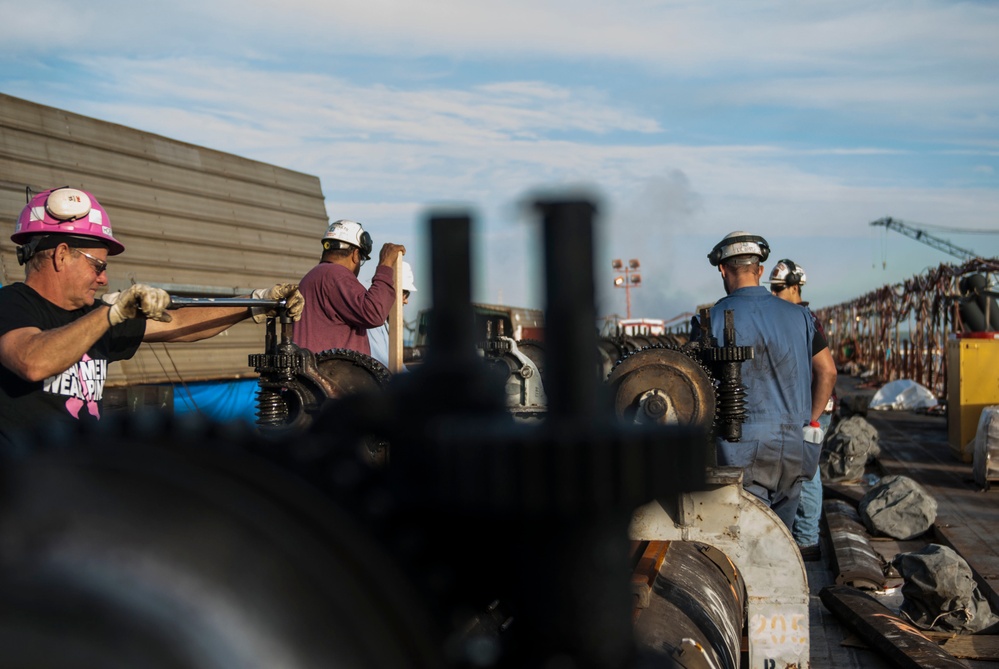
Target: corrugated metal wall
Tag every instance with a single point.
(193, 221)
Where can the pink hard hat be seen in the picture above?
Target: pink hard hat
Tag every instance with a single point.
(68, 211)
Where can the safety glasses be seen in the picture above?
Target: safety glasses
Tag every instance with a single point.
(100, 266)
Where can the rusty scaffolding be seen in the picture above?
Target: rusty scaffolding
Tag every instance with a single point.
(900, 331)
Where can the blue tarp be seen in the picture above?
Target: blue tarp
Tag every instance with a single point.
(218, 400)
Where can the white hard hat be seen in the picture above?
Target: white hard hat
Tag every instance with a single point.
(407, 278)
(739, 243)
(347, 232)
(787, 273)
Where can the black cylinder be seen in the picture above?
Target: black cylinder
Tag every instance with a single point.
(695, 613)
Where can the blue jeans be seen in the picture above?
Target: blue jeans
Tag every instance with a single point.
(805, 529)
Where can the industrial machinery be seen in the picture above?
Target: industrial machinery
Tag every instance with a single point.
(720, 545)
(720, 548)
(520, 364)
(688, 550)
(665, 385)
(482, 542)
(696, 384)
(762, 566)
(920, 235)
(296, 383)
(490, 320)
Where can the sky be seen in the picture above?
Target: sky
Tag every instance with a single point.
(682, 120)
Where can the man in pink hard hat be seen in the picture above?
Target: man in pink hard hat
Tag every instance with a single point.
(57, 339)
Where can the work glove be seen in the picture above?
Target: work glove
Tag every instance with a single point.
(138, 301)
(282, 291)
(814, 433)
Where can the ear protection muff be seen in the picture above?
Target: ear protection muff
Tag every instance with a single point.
(715, 257)
(366, 245)
(792, 278)
(26, 251)
(365, 250)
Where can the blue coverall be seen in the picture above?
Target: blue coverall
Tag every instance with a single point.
(773, 454)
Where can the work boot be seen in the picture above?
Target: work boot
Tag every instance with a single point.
(810, 553)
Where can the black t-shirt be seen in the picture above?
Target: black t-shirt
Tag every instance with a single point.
(78, 391)
(819, 342)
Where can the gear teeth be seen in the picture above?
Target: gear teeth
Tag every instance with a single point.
(366, 362)
(666, 347)
(729, 353)
(693, 357)
(276, 360)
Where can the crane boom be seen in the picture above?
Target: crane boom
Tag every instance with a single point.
(924, 237)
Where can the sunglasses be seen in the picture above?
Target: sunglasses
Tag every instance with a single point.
(99, 265)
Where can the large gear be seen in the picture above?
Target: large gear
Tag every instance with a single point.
(202, 546)
(295, 383)
(351, 372)
(610, 350)
(662, 384)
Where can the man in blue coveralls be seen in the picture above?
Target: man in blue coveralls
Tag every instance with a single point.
(787, 384)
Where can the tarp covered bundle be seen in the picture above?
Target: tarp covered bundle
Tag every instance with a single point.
(898, 507)
(847, 448)
(902, 395)
(940, 591)
(986, 458)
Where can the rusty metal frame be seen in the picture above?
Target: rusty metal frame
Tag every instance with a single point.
(867, 331)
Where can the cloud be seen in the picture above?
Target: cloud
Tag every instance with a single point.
(327, 107)
(485, 144)
(676, 36)
(689, 119)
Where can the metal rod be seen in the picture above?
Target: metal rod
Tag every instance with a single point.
(181, 302)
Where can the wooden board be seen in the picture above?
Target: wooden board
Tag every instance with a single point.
(893, 637)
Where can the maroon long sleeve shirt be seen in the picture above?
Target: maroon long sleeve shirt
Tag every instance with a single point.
(339, 311)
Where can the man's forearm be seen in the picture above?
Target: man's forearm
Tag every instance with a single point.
(37, 355)
(821, 392)
(823, 381)
(195, 323)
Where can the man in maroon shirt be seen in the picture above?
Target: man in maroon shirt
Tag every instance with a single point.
(338, 310)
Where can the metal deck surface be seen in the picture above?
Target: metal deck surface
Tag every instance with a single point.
(967, 520)
(832, 645)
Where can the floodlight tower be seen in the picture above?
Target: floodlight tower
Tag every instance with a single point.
(630, 279)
